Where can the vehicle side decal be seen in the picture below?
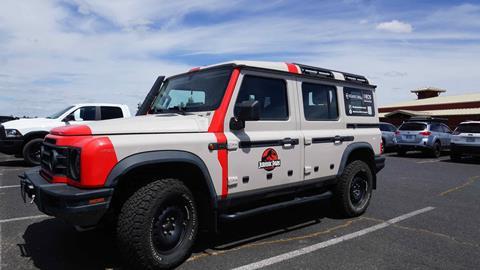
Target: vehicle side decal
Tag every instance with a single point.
(216, 126)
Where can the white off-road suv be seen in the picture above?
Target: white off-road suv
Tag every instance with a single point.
(218, 143)
(24, 137)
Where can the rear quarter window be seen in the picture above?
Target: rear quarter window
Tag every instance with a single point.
(111, 112)
(359, 102)
(413, 126)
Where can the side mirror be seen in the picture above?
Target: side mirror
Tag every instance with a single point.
(69, 118)
(246, 111)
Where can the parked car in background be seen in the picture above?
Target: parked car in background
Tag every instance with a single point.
(429, 137)
(24, 137)
(5, 118)
(465, 140)
(388, 136)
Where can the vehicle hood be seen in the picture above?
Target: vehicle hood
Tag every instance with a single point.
(161, 123)
(32, 123)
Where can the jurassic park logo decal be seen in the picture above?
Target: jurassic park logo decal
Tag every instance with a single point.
(269, 160)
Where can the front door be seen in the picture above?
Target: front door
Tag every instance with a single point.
(266, 153)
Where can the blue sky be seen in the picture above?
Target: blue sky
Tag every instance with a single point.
(53, 52)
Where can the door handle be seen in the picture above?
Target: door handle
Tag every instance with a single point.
(337, 139)
(287, 142)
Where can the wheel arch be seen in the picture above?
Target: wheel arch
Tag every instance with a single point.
(166, 163)
(34, 135)
(359, 151)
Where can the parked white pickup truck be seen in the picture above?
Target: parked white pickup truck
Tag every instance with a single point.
(24, 137)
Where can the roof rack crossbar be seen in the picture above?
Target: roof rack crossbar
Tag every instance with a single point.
(315, 71)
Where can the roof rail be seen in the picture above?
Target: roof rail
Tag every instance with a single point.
(315, 71)
(355, 78)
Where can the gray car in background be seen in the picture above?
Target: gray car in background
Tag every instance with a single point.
(388, 136)
(429, 137)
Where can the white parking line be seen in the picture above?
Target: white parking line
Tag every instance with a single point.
(12, 186)
(22, 218)
(312, 248)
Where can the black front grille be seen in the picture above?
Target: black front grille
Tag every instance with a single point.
(54, 159)
(2, 132)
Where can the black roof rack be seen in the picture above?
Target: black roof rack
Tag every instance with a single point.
(315, 71)
(322, 72)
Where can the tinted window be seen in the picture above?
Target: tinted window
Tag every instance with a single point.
(85, 114)
(413, 126)
(468, 128)
(319, 102)
(446, 129)
(111, 112)
(270, 93)
(436, 128)
(384, 127)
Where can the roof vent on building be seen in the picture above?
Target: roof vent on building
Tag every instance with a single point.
(428, 92)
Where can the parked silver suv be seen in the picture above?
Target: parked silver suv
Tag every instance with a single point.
(428, 137)
(388, 136)
(466, 140)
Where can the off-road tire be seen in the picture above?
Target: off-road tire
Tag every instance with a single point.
(136, 233)
(28, 151)
(342, 191)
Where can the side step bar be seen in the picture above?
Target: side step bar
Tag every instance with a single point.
(274, 207)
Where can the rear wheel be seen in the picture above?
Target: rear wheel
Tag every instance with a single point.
(31, 151)
(436, 151)
(353, 190)
(157, 225)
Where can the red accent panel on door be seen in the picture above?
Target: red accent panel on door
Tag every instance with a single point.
(216, 126)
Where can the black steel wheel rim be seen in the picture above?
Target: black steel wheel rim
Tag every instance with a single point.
(359, 189)
(170, 225)
(35, 152)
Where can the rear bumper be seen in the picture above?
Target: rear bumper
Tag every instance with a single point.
(466, 149)
(81, 207)
(11, 146)
(379, 163)
(410, 146)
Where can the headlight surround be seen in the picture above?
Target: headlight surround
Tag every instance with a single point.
(12, 133)
(74, 164)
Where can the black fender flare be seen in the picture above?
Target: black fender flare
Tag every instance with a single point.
(348, 151)
(160, 157)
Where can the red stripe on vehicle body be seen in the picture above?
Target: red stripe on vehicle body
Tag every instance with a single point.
(292, 68)
(216, 126)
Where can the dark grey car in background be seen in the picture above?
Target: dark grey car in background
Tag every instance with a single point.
(388, 136)
(429, 137)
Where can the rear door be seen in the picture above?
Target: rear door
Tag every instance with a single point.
(325, 136)
(266, 154)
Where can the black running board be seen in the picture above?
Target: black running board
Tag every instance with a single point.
(274, 207)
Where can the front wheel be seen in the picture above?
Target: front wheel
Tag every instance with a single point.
(157, 225)
(32, 150)
(353, 190)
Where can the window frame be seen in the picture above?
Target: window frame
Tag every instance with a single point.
(303, 102)
(285, 83)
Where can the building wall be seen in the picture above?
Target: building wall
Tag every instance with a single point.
(444, 106)
(453, 120)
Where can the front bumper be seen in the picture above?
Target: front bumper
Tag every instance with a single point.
(379, 163)
(465, 149)
(80, 207)
(11, 146)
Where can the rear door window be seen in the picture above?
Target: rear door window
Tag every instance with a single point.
(319, 102)
(413, 127)
(108, 112)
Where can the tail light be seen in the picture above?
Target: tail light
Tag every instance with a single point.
(381, 147)
(425, 133)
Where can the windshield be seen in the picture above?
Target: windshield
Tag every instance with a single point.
(468, 128)
(413, 126)
(198, 91)
(58, 114)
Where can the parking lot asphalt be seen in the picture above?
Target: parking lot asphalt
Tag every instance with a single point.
(425, 214)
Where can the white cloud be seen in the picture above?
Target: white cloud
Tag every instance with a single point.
(395, 27)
